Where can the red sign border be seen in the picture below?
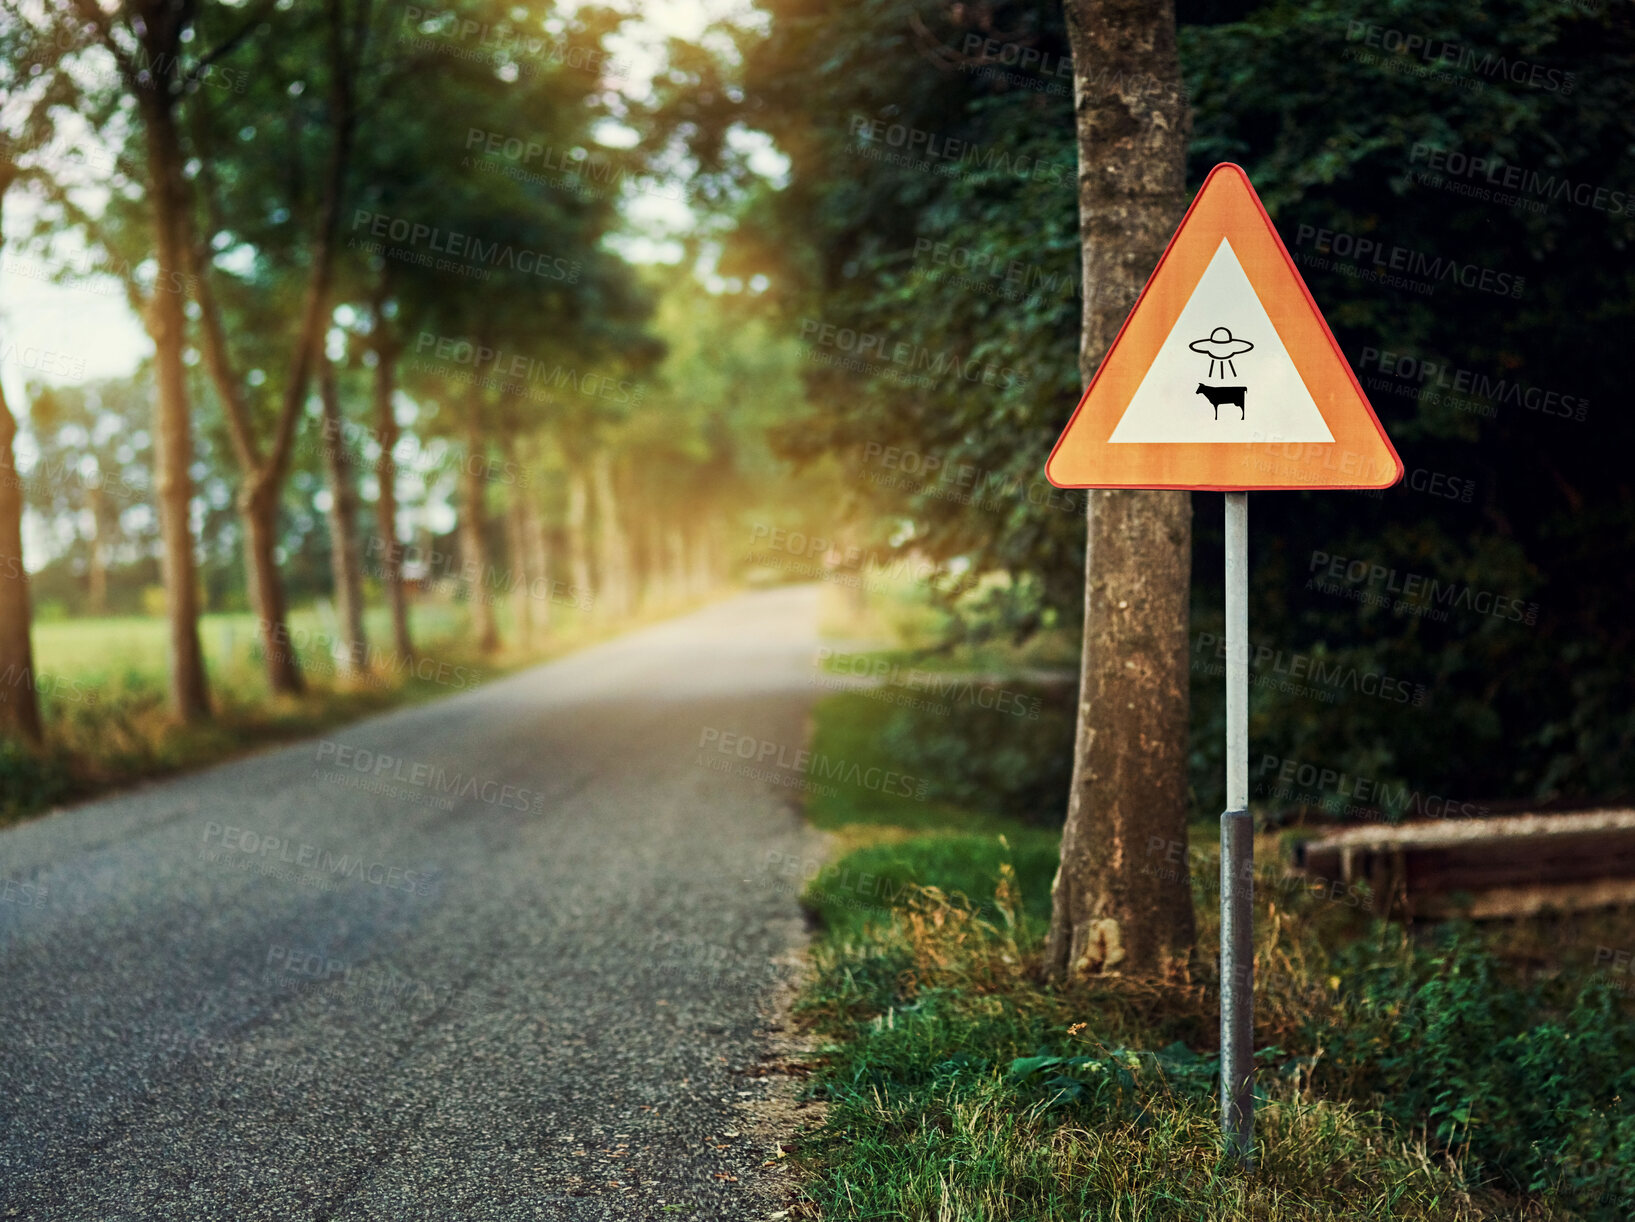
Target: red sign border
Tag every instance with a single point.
(1321, 321)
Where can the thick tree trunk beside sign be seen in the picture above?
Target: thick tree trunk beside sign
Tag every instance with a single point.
(1122, 901)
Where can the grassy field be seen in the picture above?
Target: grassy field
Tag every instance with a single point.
(96, 648)
(102, 691)
(1458, 1073)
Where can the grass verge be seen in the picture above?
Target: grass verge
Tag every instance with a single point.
(1416, 1077)
(102, 687)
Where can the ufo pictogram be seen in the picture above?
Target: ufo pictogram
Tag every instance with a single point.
(1220, 348)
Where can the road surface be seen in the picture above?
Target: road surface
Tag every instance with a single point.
(516, 970)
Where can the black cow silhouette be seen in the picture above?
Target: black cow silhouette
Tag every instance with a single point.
(1224, 394)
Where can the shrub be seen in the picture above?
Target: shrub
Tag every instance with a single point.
(30, 780)
(1534, 1084)
(1014, 764)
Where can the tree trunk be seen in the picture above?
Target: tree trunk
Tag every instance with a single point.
(703, 566)
(1122, 900)
(19, 701)
(578, 543)
(345, 562)
(525, 581)
(655, 571)
(264, 471)
(676, 549)
(695, 560)
(386, 434)
(96, 569)
(258, 495)
(473, 540)
(172, 424)
(613, 549)
(650, 564)
(521, 580)
(539, 561)
(258, 510)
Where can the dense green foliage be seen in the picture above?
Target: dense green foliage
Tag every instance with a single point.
(1012, 763)
(970, 262)
(1512, 671)
(1533, 1082)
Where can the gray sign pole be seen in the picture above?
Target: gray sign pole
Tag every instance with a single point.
(1237, 854)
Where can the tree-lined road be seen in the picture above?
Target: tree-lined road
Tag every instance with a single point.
(499, 956)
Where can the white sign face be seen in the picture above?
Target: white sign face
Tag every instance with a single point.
(1222, 374)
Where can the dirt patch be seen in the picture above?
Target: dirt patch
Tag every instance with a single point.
(777, 1117)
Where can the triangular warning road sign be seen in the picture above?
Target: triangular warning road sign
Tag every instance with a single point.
(1224, 377)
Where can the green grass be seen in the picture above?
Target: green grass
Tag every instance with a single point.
(878, 879)
(849, 728)
(892, 842)
(906, 629)
(1046, 651)
(967, 762)
(1400, 1077)
(960, 1088)
(96, 647)
(102, 684)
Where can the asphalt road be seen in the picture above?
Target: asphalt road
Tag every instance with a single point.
(518, 971)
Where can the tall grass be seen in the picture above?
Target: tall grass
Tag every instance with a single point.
(1402, 1074)
(960, 1087)
(1453, 1072)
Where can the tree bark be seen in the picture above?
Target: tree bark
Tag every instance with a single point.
(473, 534)
(539, 560)
(258, 511)
(265, 472)
(345, 562)
(172, 425)
(151, 79)
(19, 699)
(656, 588)
(655, 568)
(676, 553)
(258, 514)
(1122, 899)
(703, 566)
(613, 549)
(521, 579)
(698, 560)
(578, 543)
(386, 435)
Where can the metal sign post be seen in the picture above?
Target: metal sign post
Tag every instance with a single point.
(1237, 854)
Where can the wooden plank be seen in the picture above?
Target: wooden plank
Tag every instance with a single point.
(1515, 865)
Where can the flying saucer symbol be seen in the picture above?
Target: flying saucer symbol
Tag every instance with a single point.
(1220, 348)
